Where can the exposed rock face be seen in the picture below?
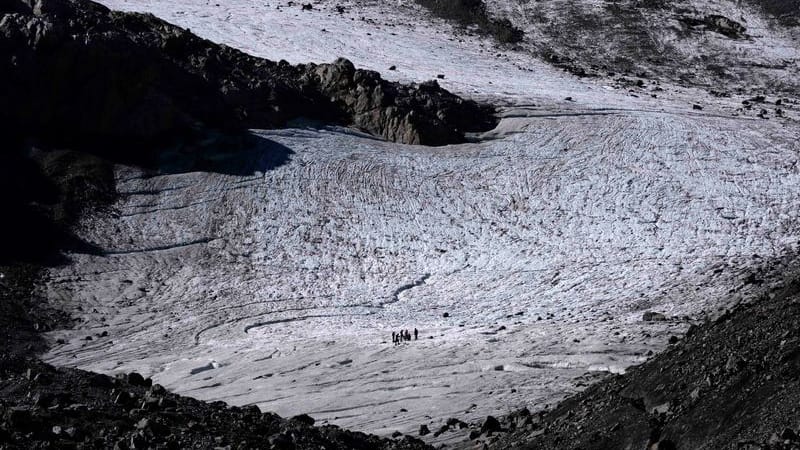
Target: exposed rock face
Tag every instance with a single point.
(423, 114)
(74, 71)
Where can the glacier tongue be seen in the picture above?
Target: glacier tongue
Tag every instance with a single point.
(524, 260)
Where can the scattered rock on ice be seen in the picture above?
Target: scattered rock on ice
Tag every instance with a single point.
(453, 422)
(652, 316)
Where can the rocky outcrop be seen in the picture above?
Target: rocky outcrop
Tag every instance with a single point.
(718, 24)
(74, 71)
(417, 114)
(76, 75)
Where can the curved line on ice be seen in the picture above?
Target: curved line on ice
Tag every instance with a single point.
(396, 294)
(293, 319)
(159, 248)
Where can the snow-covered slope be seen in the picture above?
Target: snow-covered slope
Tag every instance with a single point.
(525, 259)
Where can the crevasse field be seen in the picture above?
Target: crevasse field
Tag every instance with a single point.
(279, 281)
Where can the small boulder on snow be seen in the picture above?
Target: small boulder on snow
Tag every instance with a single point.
(652, 316)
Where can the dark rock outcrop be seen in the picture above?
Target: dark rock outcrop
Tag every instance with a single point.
(73, 71)
(83, 87)
(718, 24)
(419, 114)
(473, 13)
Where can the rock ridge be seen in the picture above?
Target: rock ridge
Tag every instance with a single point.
(74, 71)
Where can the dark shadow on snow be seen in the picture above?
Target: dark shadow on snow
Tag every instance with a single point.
(44, 188)
(240, 155)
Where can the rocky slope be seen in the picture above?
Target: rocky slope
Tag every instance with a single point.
(727, 46)
(74, 71)
(44, 407)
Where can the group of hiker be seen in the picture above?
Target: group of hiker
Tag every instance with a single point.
(403, 335)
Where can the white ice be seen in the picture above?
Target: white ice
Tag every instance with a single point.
(280, 286)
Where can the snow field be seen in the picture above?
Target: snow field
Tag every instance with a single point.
(277, 281)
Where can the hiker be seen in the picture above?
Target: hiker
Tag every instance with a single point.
(416, 333)
(394, 338)
(408, 336)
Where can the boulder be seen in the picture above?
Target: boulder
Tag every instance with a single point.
(135, 379)
(491, 424)
(304, 419)
(652, 316)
